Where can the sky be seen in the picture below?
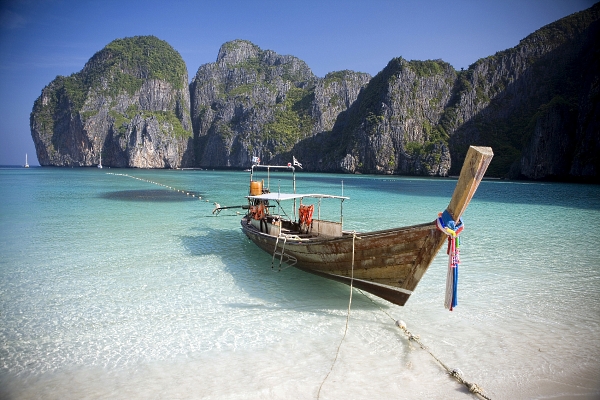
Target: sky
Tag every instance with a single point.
(40, 40)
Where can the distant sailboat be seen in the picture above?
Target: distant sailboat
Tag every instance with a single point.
(26, 163)
(100, 164)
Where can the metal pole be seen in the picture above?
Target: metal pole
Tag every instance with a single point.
(319, 211)
(342, 207)
(294, 184)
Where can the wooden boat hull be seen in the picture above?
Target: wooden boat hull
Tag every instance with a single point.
(387, 263)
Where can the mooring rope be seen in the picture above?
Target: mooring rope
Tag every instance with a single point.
(454, 372)
(347, 318)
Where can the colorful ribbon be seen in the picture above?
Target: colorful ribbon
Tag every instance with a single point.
(446, 224)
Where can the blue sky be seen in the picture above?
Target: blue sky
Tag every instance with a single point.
(42, 39)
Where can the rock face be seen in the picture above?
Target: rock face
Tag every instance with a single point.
(537, 105)
(130, 103)
(392, 126)
(256, 103)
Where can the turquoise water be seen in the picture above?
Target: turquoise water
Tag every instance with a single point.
(115, 286)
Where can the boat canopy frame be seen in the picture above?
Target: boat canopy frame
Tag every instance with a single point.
(291, 196)
(269, 168)
(278, 197)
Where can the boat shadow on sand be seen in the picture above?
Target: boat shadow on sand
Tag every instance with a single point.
(250, 268)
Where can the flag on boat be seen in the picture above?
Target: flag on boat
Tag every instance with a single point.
(296, 163)
(256, 160)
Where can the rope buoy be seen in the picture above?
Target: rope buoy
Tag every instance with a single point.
(187, 193)
(455, 372)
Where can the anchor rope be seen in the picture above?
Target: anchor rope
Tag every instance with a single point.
(453, 372)
(347, 318)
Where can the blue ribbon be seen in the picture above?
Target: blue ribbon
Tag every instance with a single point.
(448, 222)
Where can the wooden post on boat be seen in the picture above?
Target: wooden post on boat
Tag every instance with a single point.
(473, 169)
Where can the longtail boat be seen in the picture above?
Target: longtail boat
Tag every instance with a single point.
(387, 263)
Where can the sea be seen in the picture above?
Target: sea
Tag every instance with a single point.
(123, 284)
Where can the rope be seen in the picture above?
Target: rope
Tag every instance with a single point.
(455, 372)
(452, 229)
(347, 318)
(187, 193)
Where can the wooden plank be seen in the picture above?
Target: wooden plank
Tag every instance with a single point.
(473, 169)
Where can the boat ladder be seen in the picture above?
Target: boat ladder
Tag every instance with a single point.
(289, 259)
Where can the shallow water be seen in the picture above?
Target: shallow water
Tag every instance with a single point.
(123, 284)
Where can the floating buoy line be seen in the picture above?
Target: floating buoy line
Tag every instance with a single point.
(186, 192)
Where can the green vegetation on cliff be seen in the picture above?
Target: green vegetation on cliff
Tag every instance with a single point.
(133, 60)
(122, 67)
(131, 84)
(336, 76)
(427, 67)
(169, 124)
(292, 120)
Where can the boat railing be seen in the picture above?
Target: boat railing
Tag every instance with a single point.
(275, 167)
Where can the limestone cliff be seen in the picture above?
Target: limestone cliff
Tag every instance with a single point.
(391, 128)
(257, 103)
(130, 103)
(537, 105)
